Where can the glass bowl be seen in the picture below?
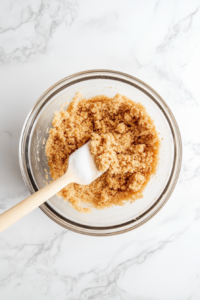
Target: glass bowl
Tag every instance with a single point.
(33, 161)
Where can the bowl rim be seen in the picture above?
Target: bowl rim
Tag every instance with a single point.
(166, 193)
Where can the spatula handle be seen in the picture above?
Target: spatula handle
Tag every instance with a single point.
(18, 211)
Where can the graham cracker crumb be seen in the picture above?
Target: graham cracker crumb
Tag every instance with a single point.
(124, 142)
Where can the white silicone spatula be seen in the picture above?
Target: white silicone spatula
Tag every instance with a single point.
(81, 169)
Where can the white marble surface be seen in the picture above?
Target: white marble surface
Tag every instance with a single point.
(157, 41)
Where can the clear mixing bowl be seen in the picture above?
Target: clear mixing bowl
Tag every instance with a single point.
(33, 161)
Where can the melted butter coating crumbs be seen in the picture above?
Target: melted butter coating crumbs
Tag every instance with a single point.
(124, 142)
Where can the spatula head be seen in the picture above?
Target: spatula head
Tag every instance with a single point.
(82, 165)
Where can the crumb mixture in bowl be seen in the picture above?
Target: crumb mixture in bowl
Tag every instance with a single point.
(124, 142)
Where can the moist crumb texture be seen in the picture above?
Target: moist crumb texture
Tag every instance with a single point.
(124, 142)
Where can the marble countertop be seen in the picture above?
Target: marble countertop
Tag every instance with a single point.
(157, 41)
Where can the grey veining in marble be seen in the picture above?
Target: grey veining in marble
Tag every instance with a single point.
(43, 41)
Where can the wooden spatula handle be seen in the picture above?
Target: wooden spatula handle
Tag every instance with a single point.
(18, 211)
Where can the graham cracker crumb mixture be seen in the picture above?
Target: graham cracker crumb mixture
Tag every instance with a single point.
(124, 142)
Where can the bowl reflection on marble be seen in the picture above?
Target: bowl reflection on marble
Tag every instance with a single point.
(33, 161)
